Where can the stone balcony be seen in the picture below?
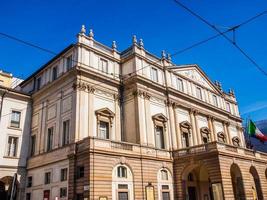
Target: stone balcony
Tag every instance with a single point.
(220, 148)
(116, 147)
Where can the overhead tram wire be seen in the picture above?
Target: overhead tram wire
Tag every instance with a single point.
(54, 53)
(172, 55)
(45, 49)
(226, 37)
(210, 38)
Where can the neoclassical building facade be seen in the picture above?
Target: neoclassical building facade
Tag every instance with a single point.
(129, 125)
(15, 124)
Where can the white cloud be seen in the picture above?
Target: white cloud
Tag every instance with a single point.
(254, 107)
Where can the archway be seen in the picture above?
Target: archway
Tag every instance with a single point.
(237, 183)
(5, 186)
(255, 184)
(197, 184)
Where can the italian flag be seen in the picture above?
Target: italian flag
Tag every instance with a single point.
(253, 131)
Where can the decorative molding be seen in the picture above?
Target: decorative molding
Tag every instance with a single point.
(80, 85)
(142, 94)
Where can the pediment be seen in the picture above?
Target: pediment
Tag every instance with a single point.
(160, 117)
(105, 112)
(194, 73)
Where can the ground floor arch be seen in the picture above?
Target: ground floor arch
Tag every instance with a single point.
(196, 182)
(255, 184)
(237, 182)
(5, 187)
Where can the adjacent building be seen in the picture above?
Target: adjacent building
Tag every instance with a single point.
(130, 125)
(15, 124)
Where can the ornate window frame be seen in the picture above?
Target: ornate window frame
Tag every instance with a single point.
(159, 120)
(221, 137)
(236, 141)
(104, 115)
(205, 133)
(186, 128)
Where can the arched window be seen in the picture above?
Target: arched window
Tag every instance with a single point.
(221, 137)
(236, 141)
(165, 185)
(122, 183)
(164, 175)
(205, 133)
(122, 172)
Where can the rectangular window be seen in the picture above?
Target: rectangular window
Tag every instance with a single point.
(38, 83)
(54, 73)
(49, 139)
(66, 132)
(12, 146)
(63, 192)
(64, 174)
(28, 196)
(154, 74)
(15, 119)
(198, 93)
(165, 195)
(33, 141)
(159, 137)
(228, 108)
(80, 172)
(215, 100)
(123, 195)
(180, 85)
(29, 181)
(103, 65)
(47, 179)
(69, 63)
(104, 130)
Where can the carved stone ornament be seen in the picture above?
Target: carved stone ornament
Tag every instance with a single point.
(122, 160)
(171, 103)
(141, 93)
(164, 164)
(80, 85)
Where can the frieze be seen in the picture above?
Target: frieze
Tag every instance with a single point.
(142, 94)
(80, 85)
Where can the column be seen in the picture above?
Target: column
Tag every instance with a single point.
(149, 126)
(43, 130)
(178, 130)
(241, 136)
(199, 138)
(194, 128)
(117, 127)
(227, 133)
(210, 123)
(91, 113)
(141, 129)
(172, 126)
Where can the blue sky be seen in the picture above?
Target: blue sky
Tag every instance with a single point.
(161, 24)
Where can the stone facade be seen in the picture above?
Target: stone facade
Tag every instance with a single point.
(129, 125)
(15, 119)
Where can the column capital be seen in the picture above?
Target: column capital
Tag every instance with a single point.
(194, 111)
(226, 123)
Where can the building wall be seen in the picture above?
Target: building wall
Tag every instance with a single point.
(9, 164)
